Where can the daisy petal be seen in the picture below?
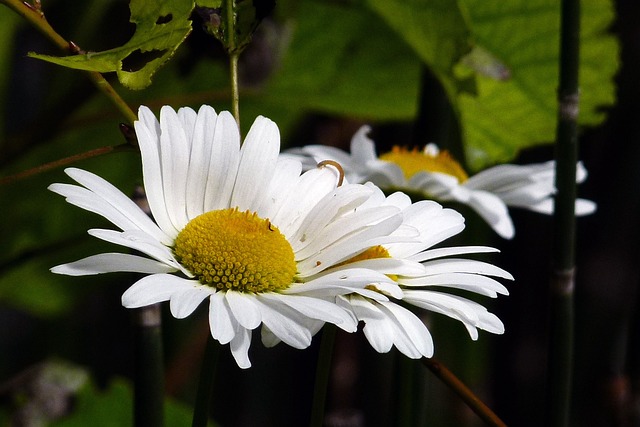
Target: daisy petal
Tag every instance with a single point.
(184, 302)
(258, 156)
(112, 263)
(153, 289)
(221, 322)
(240, 348)
(244, 309)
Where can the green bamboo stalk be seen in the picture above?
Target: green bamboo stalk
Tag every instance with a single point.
(205, 383)
(35, 17)
(149, 368)
(464, 392)
(560, 369)
(323, 371)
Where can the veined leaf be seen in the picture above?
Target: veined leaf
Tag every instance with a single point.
(518, 109)
(161, 26)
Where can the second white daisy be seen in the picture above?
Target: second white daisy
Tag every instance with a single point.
(434, 174)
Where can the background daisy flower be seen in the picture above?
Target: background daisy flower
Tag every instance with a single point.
(235, 226)
(425, 280)
(434, 174)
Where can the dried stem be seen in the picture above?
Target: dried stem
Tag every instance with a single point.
(465, 393)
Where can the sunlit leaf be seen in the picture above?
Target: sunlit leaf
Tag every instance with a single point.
(516, 107)
(161, 26)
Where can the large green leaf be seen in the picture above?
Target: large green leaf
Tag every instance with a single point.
(517, 108)
(436, 29)
(345, 60)
(161, 26)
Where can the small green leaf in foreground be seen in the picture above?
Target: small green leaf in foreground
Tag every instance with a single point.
(161, 26)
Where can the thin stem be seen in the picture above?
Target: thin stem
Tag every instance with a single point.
(234, 55)
(36, 18)
(64, 162)
(205, 384)
(560, 369)
(235, 96)
(323, 371)
(149, 372)
(464, 392)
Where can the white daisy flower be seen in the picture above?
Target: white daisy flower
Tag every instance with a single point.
(432, 173)
(237, 226)
(387, 322)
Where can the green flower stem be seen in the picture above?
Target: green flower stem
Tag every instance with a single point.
(323, 372)
(234, 55)
(149, 368)
(560, 368)
(476, 405)
(205, 383)
(35, 17)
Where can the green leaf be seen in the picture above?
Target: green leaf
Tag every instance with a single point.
(345, 60)
(436, 29)
(161, 26)
(517, 55)
(113, 407)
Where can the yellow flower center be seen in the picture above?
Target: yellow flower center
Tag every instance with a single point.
(414, 161)
(373, 252)
(229, 249)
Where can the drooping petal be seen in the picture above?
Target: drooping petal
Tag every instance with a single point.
(282, 322)
(183, 303)
(221, 321)
(153, 289)
(244, 309)
(494, 212)
(239, 346)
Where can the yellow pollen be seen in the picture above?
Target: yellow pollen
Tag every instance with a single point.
(233, 250)
(414, 161)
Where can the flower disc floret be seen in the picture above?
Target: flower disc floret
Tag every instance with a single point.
(414, 161)
(233, 250)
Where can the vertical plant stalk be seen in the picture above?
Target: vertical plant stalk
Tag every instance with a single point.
(323, 371)
(234, 55)
(148, 399)
(205, 383)
(464, 392)
(35, 17)
(560, 368)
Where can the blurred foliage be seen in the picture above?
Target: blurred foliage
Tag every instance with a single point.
(113, 407)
